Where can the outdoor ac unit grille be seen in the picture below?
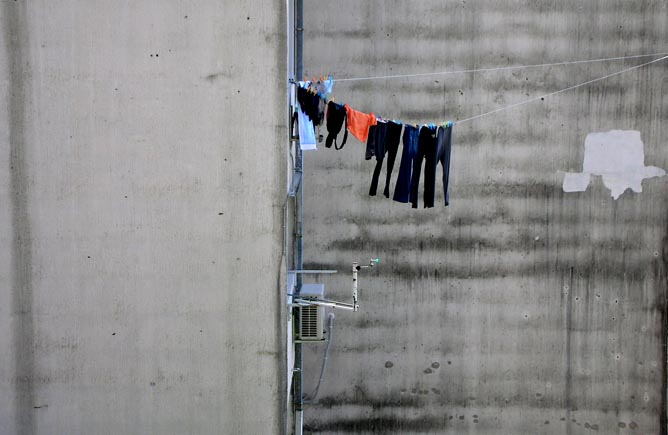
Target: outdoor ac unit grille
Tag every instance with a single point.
(309, 322)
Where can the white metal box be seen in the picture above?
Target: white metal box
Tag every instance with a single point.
(312, 317)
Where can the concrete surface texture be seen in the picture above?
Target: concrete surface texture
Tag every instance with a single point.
(141, 193)
(520, 308)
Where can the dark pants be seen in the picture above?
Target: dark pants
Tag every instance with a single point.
(427, 151)
(403, 186)
(392, 146)
(386, 141)
(444, 144)
(378, 148)
(371, 140)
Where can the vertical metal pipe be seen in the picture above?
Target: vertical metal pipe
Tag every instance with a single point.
(299, 39)
(299, 423)
(299, 164)
(299, 211)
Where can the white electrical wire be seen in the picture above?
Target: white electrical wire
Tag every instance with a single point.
(314, 394)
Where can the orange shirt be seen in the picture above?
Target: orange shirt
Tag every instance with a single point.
(359, 123)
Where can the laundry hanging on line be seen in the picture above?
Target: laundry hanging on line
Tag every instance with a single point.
(310, 109)
(359, 123)
(306, 131)
(336, 117)
(413, 153)
(430, 143)
(384, 138)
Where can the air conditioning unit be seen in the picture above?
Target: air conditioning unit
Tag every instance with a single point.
(312, 317)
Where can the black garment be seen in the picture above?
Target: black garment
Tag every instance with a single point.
(377, 135)
(310, 105)
(386, 138)
(427, 150)
(370, 150)
(444, 144)
(392, 140)
(336, 116)
(410, 141)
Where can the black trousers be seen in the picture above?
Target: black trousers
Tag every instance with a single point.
(427, 150)
(386, 141)
(444, 145)
(376, 134)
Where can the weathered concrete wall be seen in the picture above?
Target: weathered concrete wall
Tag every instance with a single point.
(520, 308)
(141, 189)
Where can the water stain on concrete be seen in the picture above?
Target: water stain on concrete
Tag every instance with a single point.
(377, 425)
(16, 40)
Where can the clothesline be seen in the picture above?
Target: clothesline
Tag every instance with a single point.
(426, 141)
(503, 68)
(540, 97)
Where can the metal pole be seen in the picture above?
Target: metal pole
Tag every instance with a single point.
(299, 209)
(299, 40)
(299, 164)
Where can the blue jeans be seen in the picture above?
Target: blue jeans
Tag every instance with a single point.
(410, 141)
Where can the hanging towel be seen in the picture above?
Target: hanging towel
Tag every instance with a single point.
(359, 123)
(306, 131)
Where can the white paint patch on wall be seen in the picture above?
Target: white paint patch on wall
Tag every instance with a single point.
(619, 157)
